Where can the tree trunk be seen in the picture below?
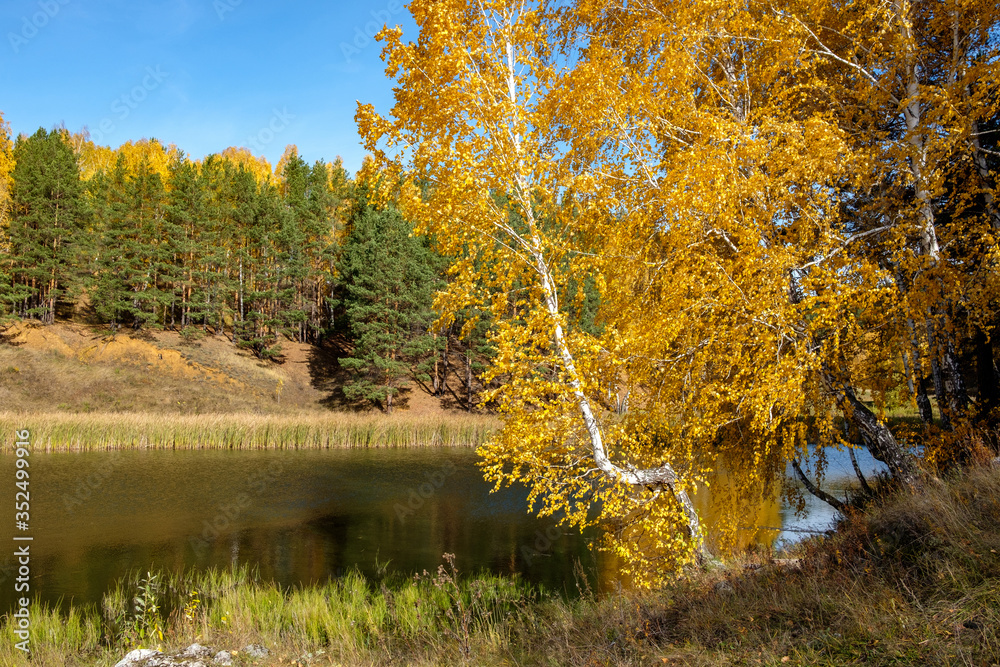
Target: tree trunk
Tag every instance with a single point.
(663, 477)
(815, 490)
(923, 402)
(468, 375)
(437, 387)
(879, 439)
(444, 364)
(982, 167)
(241, 289)
(986, 375)
(949, 380)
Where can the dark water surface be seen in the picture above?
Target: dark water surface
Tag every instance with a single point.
(297, 516)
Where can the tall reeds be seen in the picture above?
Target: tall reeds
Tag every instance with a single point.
(104, 431)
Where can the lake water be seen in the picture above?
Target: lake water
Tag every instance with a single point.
(298, 516)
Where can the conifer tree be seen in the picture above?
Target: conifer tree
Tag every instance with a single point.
(309, 240)
(218, 290)
(387, 279)
(47, 216)
(262, 253)
(135, 261)
(191, 239)
(109, 291)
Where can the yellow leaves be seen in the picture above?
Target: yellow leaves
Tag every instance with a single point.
(256, 165)
(705, 168)
(151, 153)
(6, 169)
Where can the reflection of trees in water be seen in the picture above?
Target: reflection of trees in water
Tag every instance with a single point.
(326, 514)
(734, 521)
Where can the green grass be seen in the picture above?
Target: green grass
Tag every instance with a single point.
(103, 431)
(432, 618)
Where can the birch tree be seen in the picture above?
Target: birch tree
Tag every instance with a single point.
(733, 185)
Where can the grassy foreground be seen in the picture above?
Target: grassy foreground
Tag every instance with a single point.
(92, 431)
(914, 580)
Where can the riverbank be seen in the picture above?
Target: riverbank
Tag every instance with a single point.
(915, 579)
(59, 431)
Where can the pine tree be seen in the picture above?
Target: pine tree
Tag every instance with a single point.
(190, 239)
(47, 217)
(136, 256)
(218, 291)
(261, 254)
(109, 291)
(309, 238)
(387, 280)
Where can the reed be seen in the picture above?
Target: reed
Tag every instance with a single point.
(57, 431)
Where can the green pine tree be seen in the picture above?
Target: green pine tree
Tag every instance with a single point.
(387, 280)
(48, 213)
(190, 239)
(136, 258)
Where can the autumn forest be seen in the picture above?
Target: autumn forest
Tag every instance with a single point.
(684, 249)
(669, 249)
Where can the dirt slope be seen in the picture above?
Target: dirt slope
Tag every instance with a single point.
(78, 368)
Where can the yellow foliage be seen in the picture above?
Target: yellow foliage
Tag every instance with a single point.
(720, 172)
(149, 154)
(258, 166)
(6, 168)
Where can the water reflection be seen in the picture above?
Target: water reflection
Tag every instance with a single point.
(299, 517)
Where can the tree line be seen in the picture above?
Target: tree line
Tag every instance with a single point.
(144, 238)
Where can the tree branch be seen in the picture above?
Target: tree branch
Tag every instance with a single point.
(815, 490)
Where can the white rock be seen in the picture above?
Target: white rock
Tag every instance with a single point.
(256, 651)
(138, 656)
(223, 658)
(196, 651)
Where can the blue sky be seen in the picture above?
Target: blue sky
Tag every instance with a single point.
(202, 74)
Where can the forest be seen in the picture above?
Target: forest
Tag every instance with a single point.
(686, 253)
(668, 243)
(143, 238)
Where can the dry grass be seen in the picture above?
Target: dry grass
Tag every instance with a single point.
(70, 367)
(103, 431)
